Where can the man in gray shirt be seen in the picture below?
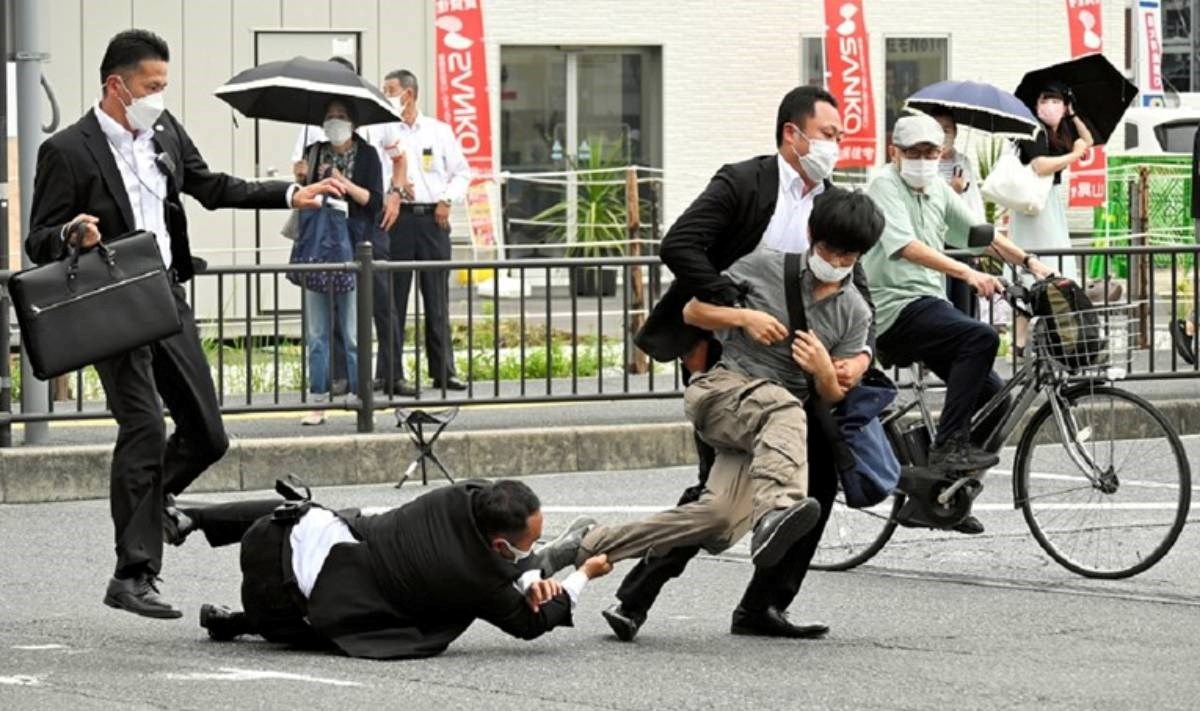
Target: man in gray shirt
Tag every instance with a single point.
(752, 402)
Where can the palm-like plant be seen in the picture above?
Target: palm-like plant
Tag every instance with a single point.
(599, 206)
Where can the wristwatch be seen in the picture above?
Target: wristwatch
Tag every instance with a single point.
(395, 191)
(447, 203)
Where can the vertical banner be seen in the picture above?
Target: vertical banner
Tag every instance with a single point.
(463, 103)
(1089, 175)
(1148, 39)
(849, 68)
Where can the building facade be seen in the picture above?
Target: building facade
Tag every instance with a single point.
(684, 86)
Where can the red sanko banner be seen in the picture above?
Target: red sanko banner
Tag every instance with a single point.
(848, 64)
(463, 102)
(1089, 184)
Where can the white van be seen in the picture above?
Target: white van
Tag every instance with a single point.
(1155, 131)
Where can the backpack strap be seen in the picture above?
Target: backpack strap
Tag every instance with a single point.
(821, 415)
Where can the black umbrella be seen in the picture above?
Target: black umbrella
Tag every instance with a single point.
(297, 90)
(1102, 93)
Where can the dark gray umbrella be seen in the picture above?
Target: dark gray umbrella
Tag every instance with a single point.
(298, 89)
(977, 105)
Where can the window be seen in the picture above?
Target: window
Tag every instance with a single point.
(812, 61)
(1180, 45)
(1177, 136)
(911, 63)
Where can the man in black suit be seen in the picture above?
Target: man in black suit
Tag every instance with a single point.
(398, 585)
(765, 199)
(120, 168)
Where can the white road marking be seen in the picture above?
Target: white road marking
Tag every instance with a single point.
(232, 674)
(1081, 478)
(39, 647)
(1123, 506)
(20, 680)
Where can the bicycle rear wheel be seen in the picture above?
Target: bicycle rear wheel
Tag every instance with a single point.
(854, 536)
(1127, 519)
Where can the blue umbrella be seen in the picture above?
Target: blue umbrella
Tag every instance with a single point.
(979, 105)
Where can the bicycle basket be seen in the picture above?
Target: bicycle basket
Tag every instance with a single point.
(1088, 340)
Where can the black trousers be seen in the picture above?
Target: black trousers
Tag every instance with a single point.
(418, 238)
(147, 464)
(273, 605)
(958, 348)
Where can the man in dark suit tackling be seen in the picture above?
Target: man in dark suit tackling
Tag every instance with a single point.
(767, 200)
(398, 585)
(123, 167)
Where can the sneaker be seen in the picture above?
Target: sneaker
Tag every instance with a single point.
(562, 551)
(957, 454)
(339, 387)
(778, 530)
(316, 417)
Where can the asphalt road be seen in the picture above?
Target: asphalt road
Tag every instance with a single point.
(934, 621)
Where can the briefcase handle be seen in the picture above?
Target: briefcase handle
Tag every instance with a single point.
(75, 252)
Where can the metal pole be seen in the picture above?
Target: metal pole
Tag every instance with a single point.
(29, 56)
(365, 306)
(5, 336)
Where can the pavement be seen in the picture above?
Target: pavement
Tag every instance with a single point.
(934, 621)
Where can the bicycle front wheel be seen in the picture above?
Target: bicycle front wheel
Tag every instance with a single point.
(854, 536)
(1122, 520)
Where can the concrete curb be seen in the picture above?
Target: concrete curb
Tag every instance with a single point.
(41, 474)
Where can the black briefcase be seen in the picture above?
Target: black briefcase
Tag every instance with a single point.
(95, 304)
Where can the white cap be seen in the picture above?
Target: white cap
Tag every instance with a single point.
(919, 128)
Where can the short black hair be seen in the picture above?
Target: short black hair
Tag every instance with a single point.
(407, 80)
(345, 63)
(346, 104)
(799, 104)
(126, 50)
(504, 508)
(845, 220)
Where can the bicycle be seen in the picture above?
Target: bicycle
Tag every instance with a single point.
(1083, 512)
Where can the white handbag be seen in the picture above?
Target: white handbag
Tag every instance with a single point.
(1016, 186)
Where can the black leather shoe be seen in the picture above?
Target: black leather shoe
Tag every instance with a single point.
(222, 623)
(139, 595)
(176, 524)
(402, 388)
(957, 454)
(452, 383)
(970, 526)
(773, 622)
(778, 530)
(624, 623)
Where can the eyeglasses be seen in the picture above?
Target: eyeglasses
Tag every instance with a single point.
(917, 152)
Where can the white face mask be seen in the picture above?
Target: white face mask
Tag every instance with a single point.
(518, 554)
(397, 104)
(919, 173)
(143, 113)
(822, 157)
(338, 131)
(826, 272)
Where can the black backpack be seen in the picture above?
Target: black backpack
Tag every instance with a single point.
(1070, 324)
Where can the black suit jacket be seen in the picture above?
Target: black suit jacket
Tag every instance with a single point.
(421, 574)
(76, 173)
(723, 225)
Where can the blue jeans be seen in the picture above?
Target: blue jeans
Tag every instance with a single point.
(318, 306)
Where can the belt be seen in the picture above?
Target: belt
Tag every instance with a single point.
(418, 208)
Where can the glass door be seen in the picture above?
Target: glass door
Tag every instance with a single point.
(565, 110)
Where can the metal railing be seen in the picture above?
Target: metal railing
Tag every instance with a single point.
(536, 332)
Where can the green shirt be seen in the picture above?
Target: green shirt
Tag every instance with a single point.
(934, 217)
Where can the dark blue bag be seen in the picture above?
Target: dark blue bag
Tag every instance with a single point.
(868, 469)
(323, 237)
(867, 465)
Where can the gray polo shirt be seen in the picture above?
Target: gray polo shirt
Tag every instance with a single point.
(841, 321)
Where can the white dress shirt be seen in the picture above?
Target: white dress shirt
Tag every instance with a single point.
(145, 183)
(437, 168)
(380, 135)
(788, 229)
(313, 536)
(573, 583)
